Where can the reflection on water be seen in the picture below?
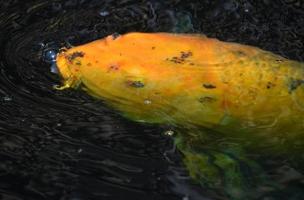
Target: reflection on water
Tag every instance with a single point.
(66, 145)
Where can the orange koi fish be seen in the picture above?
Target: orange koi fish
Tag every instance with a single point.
(225, 99)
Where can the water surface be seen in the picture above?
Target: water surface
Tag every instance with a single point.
(67, 145)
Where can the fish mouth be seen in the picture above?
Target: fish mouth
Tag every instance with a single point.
(69, 64)
(63, 66)
(68, 71)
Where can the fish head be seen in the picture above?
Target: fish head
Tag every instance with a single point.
(105, 66)
(113, 69)
(73, 62)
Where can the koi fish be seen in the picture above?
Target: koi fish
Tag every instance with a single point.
(225, 99)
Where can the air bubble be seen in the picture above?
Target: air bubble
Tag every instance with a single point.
(50, 56)
(54, 68)
(169, 133)
(7, 98)
(147, 101)
(104, 13)
(186, 198)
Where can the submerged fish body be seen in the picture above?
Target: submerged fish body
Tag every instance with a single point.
(210, 89)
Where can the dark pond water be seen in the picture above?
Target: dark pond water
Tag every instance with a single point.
(64, 144)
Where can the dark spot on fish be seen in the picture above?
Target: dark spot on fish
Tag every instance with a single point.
(153, 48)
(294, 84)
(113, 68)
(185, 55)
(206, 99)
(176, 60)
(182, 58)
(96, 61)
(240, 53)
(77, 63)
(89, 64)
(191, 63)
(270, 85)
(279, 60)
(115, 36)
(74, 55)
(209, 86)
(136, 84)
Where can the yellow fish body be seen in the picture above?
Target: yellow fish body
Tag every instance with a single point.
(213, 90)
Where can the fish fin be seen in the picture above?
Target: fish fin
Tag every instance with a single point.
(225, 170)
(198, 35)
(188, 35)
